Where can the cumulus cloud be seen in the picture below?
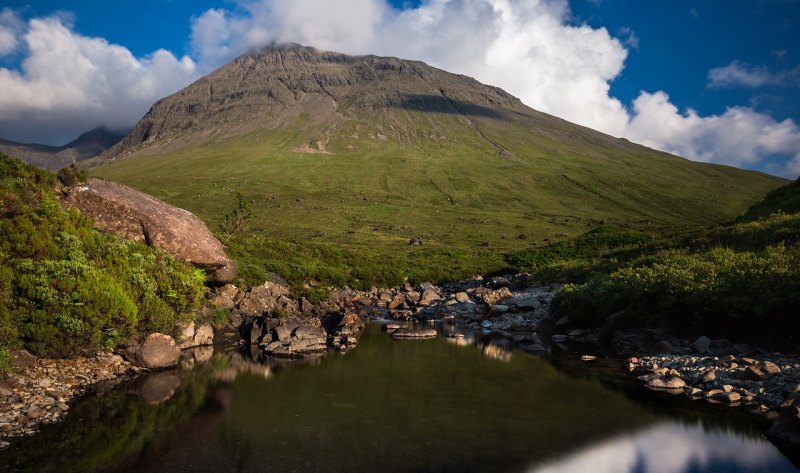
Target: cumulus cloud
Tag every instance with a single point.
(70, 83)
(740, 136)
(10, 26)
(740, 74)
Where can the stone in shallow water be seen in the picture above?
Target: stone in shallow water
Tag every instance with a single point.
(413, 334)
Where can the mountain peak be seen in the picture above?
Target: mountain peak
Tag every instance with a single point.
(276, 85)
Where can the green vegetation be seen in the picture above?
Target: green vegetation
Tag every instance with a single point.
(740, 281)
(346, 215)
(66, 288)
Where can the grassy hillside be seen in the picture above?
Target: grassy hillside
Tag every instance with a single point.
(346, 216)
(740, 281)
(66, 288)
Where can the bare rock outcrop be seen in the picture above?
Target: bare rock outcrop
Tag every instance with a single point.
(140, 217)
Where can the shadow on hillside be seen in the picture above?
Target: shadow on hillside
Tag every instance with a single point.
(442, 104)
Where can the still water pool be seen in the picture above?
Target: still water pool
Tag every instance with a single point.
(396, 406)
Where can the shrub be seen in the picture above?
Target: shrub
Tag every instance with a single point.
(718, 292)
(66, 288)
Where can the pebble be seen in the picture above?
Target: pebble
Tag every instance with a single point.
(40, 392)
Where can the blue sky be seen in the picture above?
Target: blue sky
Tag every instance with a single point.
(683, 76)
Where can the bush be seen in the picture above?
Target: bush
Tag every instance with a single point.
(720, 292)
(66, 288)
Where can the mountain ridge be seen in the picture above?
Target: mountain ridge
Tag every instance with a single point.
(88, 145)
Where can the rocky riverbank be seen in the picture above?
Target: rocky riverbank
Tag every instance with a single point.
(41, 390)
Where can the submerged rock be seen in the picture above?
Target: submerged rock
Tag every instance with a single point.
(413, 334)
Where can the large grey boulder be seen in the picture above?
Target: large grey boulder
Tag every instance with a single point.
(141, 217)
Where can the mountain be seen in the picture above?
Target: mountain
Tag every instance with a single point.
(345, 159)
(87, 145)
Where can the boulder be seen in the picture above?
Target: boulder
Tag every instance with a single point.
(701, 345)
(263, 299)
(429, 296)
(491, 297)
(156, 352)
(135, 215)
(462, 297)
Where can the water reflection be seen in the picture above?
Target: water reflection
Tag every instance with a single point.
(673, 448)
(391, 406)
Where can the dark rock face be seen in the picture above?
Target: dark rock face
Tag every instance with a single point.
(158, 351)
(140, 217)
(273, 86)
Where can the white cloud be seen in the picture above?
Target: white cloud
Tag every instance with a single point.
(740, 74)
(70, 83)
(10, 26)
(740, 136)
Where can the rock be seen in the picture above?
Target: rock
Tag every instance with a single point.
(413, 334)
(588, 357)
(559, 338)
(412, 297)
(159, 387)
(186, 334)
(614, 323)
(670, 382)
(498, 309)
(429, 296)
(135, 215)
(462, 297)
(728, 396)
(263, 299)
(770, 367)
(156, 352)
(662, 346)
(225, 297)
(701, 345)
(21, 359)
(33, 413)
(491, 297)
(786, 433)
(397, 301)
(753, 373)
(391, 327)
(204, 335)
(708, 376)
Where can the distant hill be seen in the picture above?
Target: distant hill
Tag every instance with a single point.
(87, 145)
(347, 158)
(784, 199)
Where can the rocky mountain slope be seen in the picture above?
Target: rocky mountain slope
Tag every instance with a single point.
(87, 145)
(364, 154)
